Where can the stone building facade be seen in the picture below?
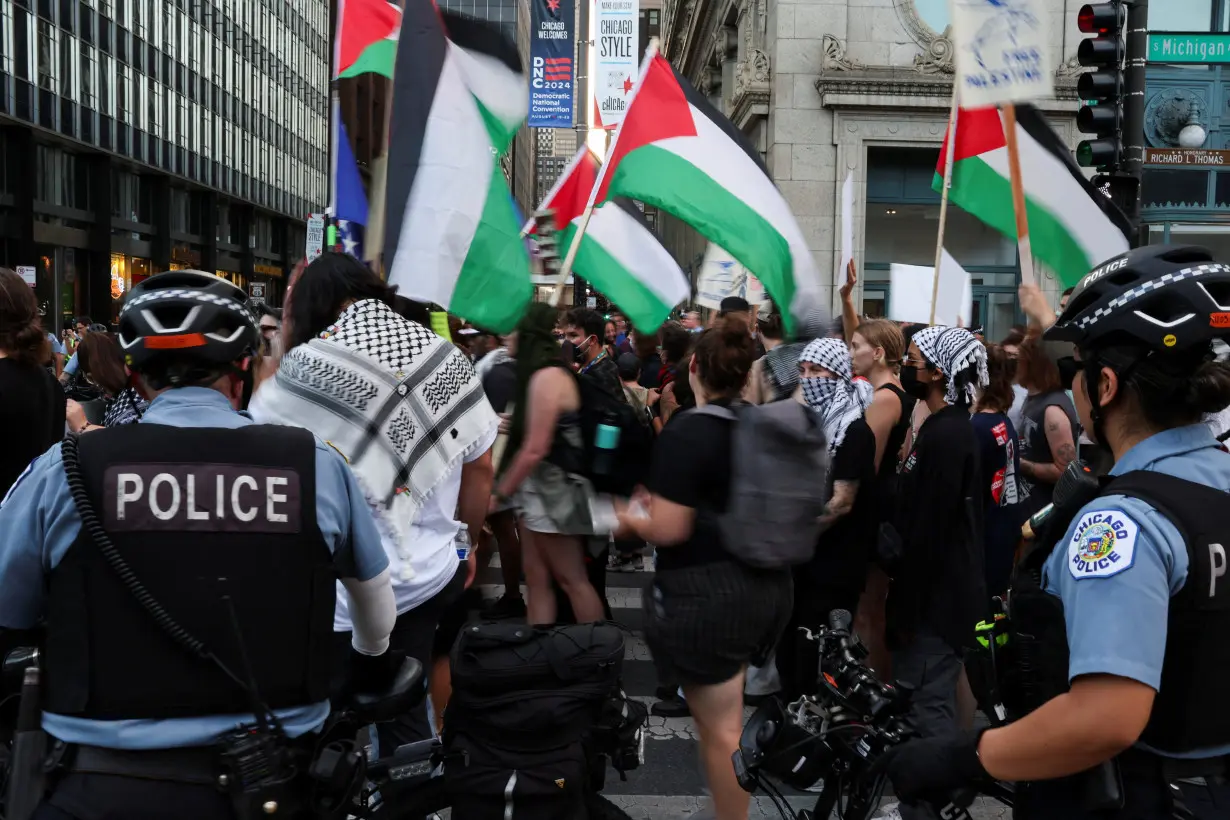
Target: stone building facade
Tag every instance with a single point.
(826, 88)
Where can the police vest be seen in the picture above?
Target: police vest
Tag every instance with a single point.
(1189, 712)
(219, 526)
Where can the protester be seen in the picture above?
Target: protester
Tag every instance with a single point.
(708, 615)
(101, 363)
(835, 576)
(877, 347)
(628, 552)
(543, 464)
(34, 421)
(676, 349)
(646, 347)
(409, 415)
(691, 322)
(81, 326)
(999, 458)
(271, 329)
(1049, 426)
(937, 591)
(765, 384)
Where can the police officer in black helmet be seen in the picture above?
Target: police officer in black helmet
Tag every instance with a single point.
(184, 568)
(1121, 614)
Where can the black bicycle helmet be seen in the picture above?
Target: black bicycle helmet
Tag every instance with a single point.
(1164, 297)
(185, 324)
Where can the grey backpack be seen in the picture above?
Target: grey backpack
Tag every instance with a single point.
(779, 483)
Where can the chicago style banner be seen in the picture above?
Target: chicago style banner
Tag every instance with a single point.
(618, 58)
(551, 48)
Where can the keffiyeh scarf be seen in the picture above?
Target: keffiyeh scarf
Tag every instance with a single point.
(127, 408)
(781, 364)
(492, 359)
(954, 350)
(841, 400)
(402, 405)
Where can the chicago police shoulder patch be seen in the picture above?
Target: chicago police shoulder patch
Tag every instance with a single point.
(1103, 544)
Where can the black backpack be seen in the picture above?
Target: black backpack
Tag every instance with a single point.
(524, 700)
(618, 472)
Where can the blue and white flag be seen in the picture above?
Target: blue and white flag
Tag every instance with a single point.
(350, 237)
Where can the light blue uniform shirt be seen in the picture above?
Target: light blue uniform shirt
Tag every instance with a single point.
(39, 523)
(1121, 561)
(71, 366)
(57, 347)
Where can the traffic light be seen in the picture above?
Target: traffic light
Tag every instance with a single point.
(1101, 89)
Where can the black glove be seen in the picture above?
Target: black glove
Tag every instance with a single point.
(933, 768)
(371, 674)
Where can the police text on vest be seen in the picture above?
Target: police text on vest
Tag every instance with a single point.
(201, 497)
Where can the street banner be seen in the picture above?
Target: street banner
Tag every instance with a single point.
(617, 63)
(315, 244)
(551, 44)
(1003, 51)
(721, 275)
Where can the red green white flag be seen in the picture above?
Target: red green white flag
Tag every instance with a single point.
(1072, 225)
(619, 254)
(367, 32)
(676, 152)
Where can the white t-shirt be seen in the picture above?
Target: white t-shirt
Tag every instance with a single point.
(432, 538)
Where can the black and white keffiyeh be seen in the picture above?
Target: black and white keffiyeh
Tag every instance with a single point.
(401, 403)
(127, 408)
(841, 400)
(952, 350)
(782, 362)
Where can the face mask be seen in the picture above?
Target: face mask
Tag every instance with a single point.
(818, 391)
(578, 351)
(910, 384)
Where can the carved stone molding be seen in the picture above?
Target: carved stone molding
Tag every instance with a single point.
(725, 44)
(753, 71)
(710, 81)
(752, 86)
(1070, 68)
(938, 55)
(870, 87)
(835, 56)
(922, 33)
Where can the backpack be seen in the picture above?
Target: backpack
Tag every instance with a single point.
(779, 483)
(621, 470)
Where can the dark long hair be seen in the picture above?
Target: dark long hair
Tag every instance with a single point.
(724, 355)
(997, 396)
(318, 295)
(21, 330)
(537, 348)
(99, 357)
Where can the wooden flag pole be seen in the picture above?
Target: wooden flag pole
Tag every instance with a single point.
(949, 158)
(1018, 197)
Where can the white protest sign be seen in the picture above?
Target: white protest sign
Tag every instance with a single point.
(617, 62)
(909, 293)
(847, 227)
(721, 276)
(1003, 51)
(26, 272)
(315, 237)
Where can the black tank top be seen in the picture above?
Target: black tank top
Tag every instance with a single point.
(886, 475)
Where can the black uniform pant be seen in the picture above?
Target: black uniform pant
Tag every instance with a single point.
(798, 659)
(1144, 798)
(79, 796)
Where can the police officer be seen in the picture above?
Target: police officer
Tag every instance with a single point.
(1125, 612)
(236, 532)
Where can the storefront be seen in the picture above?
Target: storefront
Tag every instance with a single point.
(126, 271)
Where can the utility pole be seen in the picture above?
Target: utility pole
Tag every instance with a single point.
(1134, 113)
(584, 109)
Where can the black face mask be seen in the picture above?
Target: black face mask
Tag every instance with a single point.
(910, 384)
(578, 351)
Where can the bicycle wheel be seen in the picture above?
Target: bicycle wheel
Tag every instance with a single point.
(600, 808)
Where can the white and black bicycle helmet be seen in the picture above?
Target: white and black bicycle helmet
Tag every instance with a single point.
(1161, 297)
(184, 325)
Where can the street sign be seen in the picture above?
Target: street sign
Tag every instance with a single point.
(315, 237)
(256, 292)
(26, 272)
(1186, 156)
(1188, 47)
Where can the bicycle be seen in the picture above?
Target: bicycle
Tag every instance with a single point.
(835, 736)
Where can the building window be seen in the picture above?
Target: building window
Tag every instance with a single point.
(1181, 15)
(87, 75)
(46, 56)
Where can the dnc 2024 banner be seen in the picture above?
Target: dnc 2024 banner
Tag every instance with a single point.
(551, 49)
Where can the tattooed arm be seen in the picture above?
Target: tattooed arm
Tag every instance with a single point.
(844, 493)
(1063, 448)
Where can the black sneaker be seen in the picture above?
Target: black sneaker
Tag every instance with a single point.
(506, 608)
(671, 708)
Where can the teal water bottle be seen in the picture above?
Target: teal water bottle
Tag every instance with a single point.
(606, 444)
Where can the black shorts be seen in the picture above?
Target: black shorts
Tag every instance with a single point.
(704, 623)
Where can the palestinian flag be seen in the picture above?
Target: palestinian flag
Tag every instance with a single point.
(1072, 226)
(452, 235)
(619, 255)
(366, 37)
(674, 151)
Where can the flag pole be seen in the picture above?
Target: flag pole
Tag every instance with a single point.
(949, 157)
(566, 268)
(1018, 196)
